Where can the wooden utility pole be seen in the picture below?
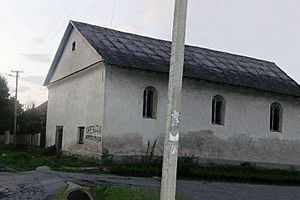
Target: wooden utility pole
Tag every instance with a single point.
(16, 106)
(169, 170)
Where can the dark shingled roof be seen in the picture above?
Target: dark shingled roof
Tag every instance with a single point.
(139, 52)
(42, 107)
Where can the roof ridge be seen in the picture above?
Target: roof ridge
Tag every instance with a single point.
(135, 51)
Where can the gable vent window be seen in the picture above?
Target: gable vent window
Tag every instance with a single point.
(218, 110)
(276, 117)
(80, 135)
(149, 103)
(73, 46)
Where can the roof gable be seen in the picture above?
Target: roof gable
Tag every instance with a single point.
(139, 52)
(58, 54)
(67, 60)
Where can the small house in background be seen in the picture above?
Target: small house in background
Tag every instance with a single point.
(42, 109)
(108, 95)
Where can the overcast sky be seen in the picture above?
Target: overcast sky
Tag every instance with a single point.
(32, 29)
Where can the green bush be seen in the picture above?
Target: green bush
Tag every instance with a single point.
(51, 151)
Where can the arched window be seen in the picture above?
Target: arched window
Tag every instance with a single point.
(218, 110)
(276, 117)
(150, 102)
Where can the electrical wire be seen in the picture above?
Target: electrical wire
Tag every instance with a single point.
(113, 13)
(47, 31)
(50, 27)
(90, 9)
(6, 74)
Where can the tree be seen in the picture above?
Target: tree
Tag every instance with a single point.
(6, 107)
(30, 121)
(4, 91)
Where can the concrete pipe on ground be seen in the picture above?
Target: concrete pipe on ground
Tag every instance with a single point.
(77, 192)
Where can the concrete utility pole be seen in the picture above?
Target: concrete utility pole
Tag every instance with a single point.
(169, 171)
(16, 105)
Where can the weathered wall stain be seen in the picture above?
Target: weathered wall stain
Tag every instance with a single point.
(89, 149)
(205, 144)
(128, 143)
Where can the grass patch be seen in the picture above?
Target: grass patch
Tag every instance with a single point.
(139, 169)
(114, 192)
(187, 169)
(27, 161)
(59, 195)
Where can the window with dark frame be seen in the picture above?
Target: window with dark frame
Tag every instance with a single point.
(80, 135)
(276, 117)
(74, 46)
(149, 103)
(218, 110)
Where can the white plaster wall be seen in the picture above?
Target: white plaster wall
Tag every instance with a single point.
(245, 135)
(72, 61)
(125, 130)
(77, 101)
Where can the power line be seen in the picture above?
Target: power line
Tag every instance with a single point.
(42, 46)
(113, 13)
(50, 29)
(90, 9)
(5, 74)
(47, 32)
(75, 8)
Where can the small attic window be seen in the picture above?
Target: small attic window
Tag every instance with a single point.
(73, 46)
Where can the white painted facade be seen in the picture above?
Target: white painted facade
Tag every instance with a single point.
(112, 97)
(76, 100)
(245, 135)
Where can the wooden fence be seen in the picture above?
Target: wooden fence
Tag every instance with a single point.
(24, 139)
